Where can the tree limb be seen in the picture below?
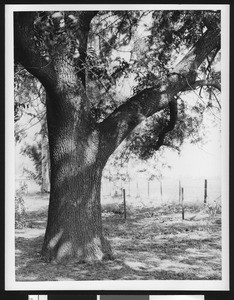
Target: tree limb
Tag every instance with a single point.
(85, 18)
(126, 117)
(27, 53)
(170, 126)
(201, 83)
(25, 50)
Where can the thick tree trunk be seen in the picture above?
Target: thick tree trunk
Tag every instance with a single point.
(74, 228)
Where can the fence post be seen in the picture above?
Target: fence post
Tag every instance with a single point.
(205, 191)
(179, 191)
(182, 192)
(124, 202)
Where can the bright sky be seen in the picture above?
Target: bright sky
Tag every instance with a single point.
(196, 161)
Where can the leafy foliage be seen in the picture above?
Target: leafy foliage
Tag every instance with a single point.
(143, 142)
(169, 34)
(52, 29)
(127, 52)
(30, 110)
(26, 90)
(29, 102)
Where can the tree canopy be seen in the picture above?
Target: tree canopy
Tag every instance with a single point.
(128, 52)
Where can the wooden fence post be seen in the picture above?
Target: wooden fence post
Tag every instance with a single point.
(179, 191)
(124, 202)
(205, 191)
(182, 192)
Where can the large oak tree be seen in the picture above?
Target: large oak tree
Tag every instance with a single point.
(75, 56)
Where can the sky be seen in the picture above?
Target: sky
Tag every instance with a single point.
(196, 161)
(199, 160)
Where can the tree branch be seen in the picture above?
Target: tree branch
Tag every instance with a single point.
(126, 117)
(27, 53)
(170, 126)
(25, 50)
(201, 83)
(85, 18)
(193, 59)
(118, 125)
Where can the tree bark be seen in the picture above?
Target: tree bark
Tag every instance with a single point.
(74, 228)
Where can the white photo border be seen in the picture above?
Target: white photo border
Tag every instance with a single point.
(142, 285)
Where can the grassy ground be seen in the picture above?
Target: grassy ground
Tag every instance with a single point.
(152, 244)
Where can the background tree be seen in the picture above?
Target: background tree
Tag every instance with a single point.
(104, 73)
(30, 111)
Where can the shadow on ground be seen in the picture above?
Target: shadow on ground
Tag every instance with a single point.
(152, 244)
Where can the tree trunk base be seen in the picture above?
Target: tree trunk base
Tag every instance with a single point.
(97, 250)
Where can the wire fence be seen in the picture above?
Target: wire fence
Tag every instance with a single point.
(167, 190)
